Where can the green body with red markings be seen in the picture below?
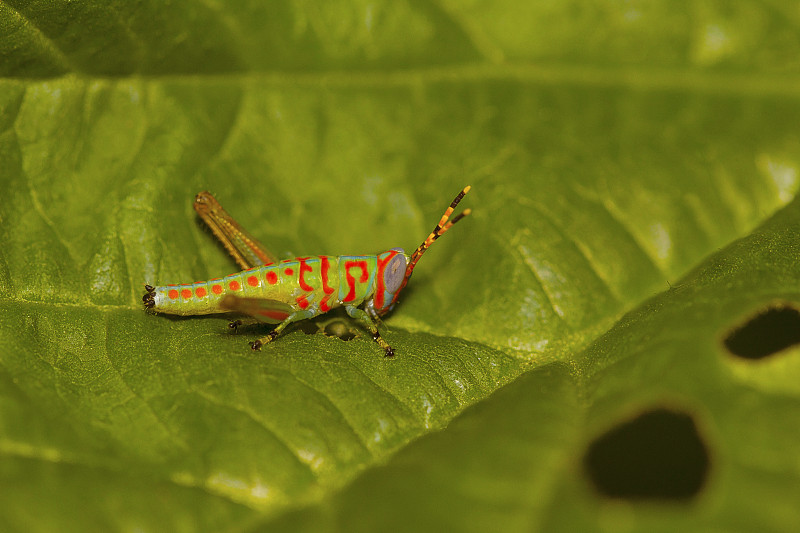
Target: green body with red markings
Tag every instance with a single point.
(312, 285)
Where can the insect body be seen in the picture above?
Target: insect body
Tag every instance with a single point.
(282, 292)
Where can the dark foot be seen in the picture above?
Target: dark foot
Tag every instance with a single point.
(256, 345)
(387, 350)
(149, 298)
(234, 325)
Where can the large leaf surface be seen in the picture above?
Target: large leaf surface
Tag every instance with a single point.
(612, 151)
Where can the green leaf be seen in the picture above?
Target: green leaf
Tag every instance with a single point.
(515, 458)
(634, 173)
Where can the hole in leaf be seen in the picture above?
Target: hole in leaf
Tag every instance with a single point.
(339, 328)
(657, 455)
(766, 333)
(308, 327)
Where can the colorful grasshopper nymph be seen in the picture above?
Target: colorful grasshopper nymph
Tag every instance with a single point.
(282, 292)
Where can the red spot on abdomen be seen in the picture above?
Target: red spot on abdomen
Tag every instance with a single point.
(186, 293)
(288, 271)
(216, 289)
(234, 285)
(173, 294)
(200, 292)
(272, 277)
(252, 281)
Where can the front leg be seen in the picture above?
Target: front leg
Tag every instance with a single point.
(367, 320)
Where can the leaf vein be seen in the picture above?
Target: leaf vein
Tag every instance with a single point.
(166, 428)
(259, 422)
(44, 40)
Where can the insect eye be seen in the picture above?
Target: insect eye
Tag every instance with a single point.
(394, 273)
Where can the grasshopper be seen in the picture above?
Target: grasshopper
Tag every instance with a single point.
(283, 292)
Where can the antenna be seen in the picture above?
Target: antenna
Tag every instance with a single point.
(444, 224)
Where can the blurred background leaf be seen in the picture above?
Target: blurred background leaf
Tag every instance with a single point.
(627, 161)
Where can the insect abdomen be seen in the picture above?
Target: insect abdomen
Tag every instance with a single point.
(199, 298)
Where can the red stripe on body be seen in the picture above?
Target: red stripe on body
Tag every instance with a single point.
(302, 302)
(378, 298)
(351, 282)
(303, 269)
(328, 290)
(275, 315)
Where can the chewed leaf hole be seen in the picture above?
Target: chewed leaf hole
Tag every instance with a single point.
(770, 331)
(335, 327)
(657, 455)
(339, 328)
(308, 327)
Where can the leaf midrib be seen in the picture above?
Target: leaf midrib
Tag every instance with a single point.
(620, 77)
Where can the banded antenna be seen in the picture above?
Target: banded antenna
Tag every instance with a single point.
(444, 224)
